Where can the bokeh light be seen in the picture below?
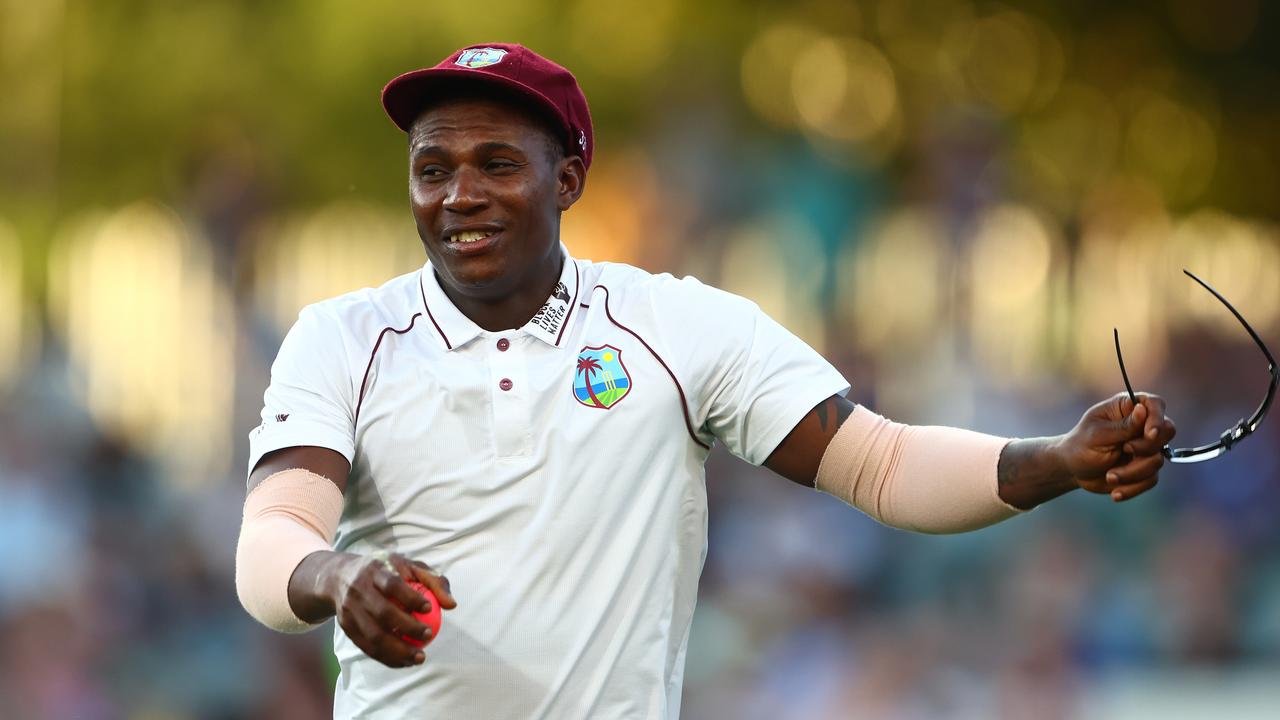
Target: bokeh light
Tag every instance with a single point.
(913, 30)
(13, 306)
(1070, 145)
(1115, 288)
(1171, 144)
(1237, 258)
(1016, 269)
(768, 70)
(328, 252)
(784, 279)
(1006, 59)
(894, 281)
(843, 89)
(622, 212)
(149, 329)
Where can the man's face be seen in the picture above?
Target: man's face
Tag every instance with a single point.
(487, 192)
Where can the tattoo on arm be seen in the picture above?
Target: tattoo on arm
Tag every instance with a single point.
(1027, 474)
(800, 453)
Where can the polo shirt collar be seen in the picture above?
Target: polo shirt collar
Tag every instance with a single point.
(548, 324)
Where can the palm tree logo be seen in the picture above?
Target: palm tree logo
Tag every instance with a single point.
(588, 366)
(606, 363)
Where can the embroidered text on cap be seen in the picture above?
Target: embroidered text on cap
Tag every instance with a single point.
(480, 57)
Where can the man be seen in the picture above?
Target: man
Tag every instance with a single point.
(536, 426)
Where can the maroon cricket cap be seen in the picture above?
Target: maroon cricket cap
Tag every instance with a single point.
(548, 87)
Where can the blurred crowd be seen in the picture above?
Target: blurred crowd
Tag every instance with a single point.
(117, 596)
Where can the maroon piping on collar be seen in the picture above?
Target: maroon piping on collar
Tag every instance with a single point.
(684, 403)
(374, 354)
(448, 345)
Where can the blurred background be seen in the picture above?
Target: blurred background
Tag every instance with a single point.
(955, 201)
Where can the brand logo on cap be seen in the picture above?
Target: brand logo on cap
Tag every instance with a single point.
(582, 140)
(480, 57)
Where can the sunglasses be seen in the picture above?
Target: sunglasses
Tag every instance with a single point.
(1240, 430)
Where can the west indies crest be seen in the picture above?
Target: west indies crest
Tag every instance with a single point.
(600, 380)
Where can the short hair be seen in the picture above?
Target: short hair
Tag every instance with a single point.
(453, 89)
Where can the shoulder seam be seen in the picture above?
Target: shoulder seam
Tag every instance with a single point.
(684, 402)
(374, 353)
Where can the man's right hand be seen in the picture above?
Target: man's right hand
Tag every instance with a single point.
(372, 600)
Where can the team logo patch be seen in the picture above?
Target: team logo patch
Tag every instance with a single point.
(480, 57)
(601, 380)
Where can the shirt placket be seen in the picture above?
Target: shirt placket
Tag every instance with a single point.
(512, 393)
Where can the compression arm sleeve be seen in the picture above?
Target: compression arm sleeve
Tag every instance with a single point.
(290, 515)
(926, 479)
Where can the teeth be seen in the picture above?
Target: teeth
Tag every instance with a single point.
(469, 236)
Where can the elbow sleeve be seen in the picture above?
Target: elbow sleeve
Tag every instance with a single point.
(926, 479)
(290, 515)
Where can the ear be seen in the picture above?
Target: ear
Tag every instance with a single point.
(571, 180)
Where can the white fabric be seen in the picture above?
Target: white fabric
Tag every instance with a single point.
(288, 516)
(923, 478)
(573, 535)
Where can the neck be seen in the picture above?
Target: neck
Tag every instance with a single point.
(513, 310)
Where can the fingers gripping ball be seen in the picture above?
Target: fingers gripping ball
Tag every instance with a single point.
(430, 618)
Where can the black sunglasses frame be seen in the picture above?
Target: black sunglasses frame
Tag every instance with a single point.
(1240, 430)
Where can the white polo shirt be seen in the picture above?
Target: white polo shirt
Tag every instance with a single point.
(571, 520)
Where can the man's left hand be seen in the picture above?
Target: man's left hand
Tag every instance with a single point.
(1115, 448)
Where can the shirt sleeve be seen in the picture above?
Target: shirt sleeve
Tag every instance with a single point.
(310, 398)
(752, 381)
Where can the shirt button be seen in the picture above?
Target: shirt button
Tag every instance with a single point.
(503, 344)
(505, 383)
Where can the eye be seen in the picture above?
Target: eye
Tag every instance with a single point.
(502, 165)
(431, 171)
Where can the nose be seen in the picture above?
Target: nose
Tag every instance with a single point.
(465, 193)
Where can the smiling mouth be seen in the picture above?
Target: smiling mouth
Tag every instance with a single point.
(471, 236)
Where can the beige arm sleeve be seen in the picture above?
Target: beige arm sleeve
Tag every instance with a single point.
(926, 479)
(290, 515)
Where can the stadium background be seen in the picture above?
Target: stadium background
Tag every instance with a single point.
(954, 201)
